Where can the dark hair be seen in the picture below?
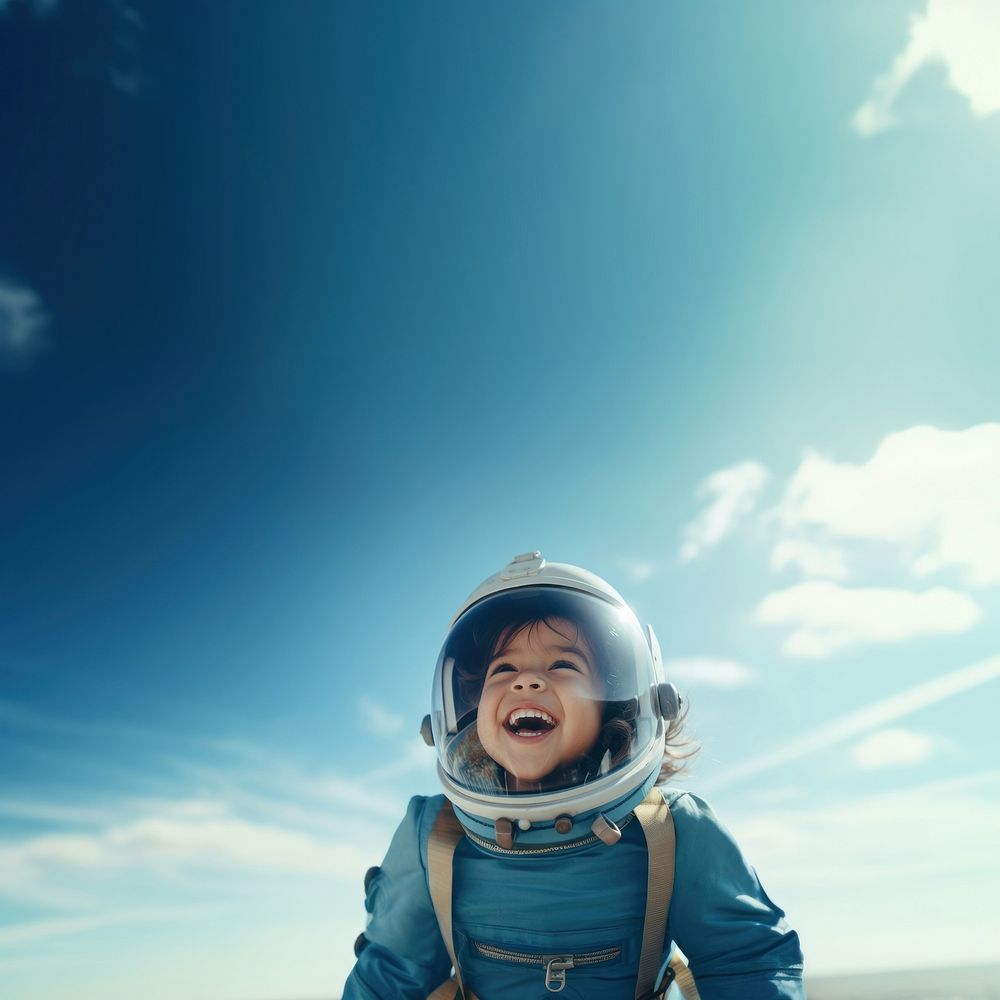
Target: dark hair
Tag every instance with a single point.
(502, 618)
(678, 749)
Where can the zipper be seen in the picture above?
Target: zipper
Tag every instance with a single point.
(555, 965)
(489, 845)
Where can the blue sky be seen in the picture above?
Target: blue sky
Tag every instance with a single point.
(311, 319)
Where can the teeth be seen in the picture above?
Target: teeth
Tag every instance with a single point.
(529, 713)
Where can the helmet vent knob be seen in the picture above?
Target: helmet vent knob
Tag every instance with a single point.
(426, 731)
(668, 701)
(564, 824)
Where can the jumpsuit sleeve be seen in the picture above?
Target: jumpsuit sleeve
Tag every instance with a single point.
(401, 954)
(736, 940)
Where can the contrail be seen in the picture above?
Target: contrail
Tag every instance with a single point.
(865, 719)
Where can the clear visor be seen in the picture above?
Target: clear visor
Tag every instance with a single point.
(542, 688)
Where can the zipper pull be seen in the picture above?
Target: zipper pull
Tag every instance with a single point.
(555, 972)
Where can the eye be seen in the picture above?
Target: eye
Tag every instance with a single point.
(501, 668)
(564, 664)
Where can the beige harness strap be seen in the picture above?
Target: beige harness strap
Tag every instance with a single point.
(658, 828)
(684, 979)
(448, 990)
(445, 835)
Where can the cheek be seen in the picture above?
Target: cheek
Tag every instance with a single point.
(487, 711)
(587, 715)
(487, 697)
(596, 716)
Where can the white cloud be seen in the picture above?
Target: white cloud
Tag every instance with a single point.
(414, 756)
(638, 570)
(935, 494)
(827, 618)
(711, 672)
(22, 322)
(195, 837)
(865, 853)
(865, 719)
(379, 719)
(253, 842)
(964, 36)
(259, 826)
(732, 493)
(892, 748)
(286, 786)
(194, 833)
(810, 558)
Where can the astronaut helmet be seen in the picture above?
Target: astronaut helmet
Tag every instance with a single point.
(549, 706)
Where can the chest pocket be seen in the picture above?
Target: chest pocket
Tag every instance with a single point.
(502, 962)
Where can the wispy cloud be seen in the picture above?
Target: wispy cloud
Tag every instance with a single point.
(963, 36)
(829, 862)
(637, 570)
(731, 494)
(53, 813)
(864, 720)
(892, 748)
(379, 719)
(39, 7)
(41, 930)
(702, 670)
(275, 786)
(22, 323)
(126, 71)
(195, 832)
(215, 818)
(826, 618)
(65, 869)
(932, 494)
(804, 843)
(810, 558)
(413, 756)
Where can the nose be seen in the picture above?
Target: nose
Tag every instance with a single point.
(528, 680)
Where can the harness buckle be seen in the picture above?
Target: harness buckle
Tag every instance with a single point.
(659, 993)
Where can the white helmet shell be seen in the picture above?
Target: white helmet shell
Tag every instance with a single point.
(530, 569)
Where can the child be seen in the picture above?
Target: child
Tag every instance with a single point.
(553, 723)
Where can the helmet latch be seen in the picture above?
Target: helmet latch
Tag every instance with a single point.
(504, 833)
(606, 829)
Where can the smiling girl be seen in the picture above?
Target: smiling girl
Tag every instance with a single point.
(554, 725)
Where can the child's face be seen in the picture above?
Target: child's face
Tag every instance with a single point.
(548, 669)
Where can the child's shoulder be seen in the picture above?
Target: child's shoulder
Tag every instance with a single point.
(689, 810)
(681, 800)
(700, 834)
(414, 831)
(421, 805)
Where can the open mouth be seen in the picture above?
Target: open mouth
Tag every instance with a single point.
(529, 723)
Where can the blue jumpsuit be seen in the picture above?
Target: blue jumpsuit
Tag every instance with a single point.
(589, 901)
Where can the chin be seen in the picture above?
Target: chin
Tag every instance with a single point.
(528, 772)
